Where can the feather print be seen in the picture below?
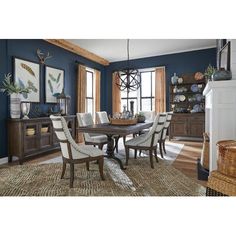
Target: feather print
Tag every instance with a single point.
(25, 95)
(52, 77)
(58, 77)
(27, 68)
(50, 86)
(32, 87)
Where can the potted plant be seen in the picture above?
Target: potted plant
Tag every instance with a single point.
(141, 117)
(13, 90)
(210, 70)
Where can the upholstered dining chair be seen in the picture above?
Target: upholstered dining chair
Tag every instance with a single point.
(72, 153)
(147, 141)
(149, 115)
(86, 119)
(164, 134)
(102, 118)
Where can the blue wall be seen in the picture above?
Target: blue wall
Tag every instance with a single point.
(26, 49)
(187, 62)
(181, 63)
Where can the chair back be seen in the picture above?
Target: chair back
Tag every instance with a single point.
(85, 119)
(102, 117)
(158, 125)
(62, 133)
(149, 115)
(167, 124)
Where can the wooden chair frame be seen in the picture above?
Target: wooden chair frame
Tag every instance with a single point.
(72, 162)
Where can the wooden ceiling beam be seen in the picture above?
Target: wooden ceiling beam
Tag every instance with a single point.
(78, 50)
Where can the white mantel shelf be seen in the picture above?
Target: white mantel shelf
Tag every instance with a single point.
(220, 114)
(219, 84)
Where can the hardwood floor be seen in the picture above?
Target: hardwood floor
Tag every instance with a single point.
(186, 161)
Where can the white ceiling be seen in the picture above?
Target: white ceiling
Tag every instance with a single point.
(115, 49)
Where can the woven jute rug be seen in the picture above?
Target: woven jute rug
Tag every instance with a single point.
(137, 180)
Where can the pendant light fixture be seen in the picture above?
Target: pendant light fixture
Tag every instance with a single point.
(128, 77)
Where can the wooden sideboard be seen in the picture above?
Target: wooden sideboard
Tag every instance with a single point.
(22, 145)
(187, 125)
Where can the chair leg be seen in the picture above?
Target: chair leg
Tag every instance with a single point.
(164, 146)
(151, 159)
(100, 146)
(155, 152)
(71, 174)
(101, 162)
(140, 151)
(124, 139)
(63, 169)
(116, 144)
(135, 153)
(87, 165)
(161, 152)
(127, 155)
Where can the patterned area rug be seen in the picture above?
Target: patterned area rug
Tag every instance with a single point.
(137, 180)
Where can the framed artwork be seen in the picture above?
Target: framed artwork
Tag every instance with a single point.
(54, 83)
(27, 74)
(224, 57)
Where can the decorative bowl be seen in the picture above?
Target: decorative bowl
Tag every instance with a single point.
(44, 129)
(30, 131)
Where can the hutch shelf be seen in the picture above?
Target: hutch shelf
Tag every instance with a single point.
(188, 105)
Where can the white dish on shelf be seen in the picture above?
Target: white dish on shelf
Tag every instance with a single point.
(182, 98)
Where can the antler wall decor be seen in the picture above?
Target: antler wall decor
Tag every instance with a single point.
(42, 57)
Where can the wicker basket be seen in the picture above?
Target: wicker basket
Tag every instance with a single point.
(123, 121)
(226, 163)
(205, 152)
(222, 183)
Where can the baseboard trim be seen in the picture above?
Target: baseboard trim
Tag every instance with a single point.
(4, 160)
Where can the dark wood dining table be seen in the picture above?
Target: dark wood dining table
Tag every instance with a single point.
(111, 130)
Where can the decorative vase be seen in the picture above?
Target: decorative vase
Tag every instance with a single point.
(221, 74)
(25, 108)
(174, 79)
(15, 105)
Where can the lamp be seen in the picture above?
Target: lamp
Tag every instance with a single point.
(64, 103)
(128, 77)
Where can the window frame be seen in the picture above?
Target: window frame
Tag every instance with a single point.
(139, 97)
(87, 97)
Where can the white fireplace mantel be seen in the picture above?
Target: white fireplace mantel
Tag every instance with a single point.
(220, 112)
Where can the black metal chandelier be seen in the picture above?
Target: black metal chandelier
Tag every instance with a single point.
(128, 79)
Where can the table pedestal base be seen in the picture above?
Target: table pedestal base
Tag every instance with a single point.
(110, 151)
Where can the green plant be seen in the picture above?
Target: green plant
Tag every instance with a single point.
(9, 87)
(210, 70)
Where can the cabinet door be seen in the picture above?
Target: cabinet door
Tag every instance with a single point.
(46, 134)
(196, 127)
(31, 137)
(179, 128)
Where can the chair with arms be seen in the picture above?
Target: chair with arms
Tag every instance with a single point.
(102, 118)
(164, 134)
(147, 141)
(72, 153)
(86, 119)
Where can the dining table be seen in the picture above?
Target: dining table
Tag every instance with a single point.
(110, 130)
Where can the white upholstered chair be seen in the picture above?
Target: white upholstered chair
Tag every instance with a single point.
(164, 134)
(147, 141)
(86, 119)
(72, 153)
(102, 118)
(149, 115)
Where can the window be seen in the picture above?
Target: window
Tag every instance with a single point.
(144, 97)
(89, 99)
